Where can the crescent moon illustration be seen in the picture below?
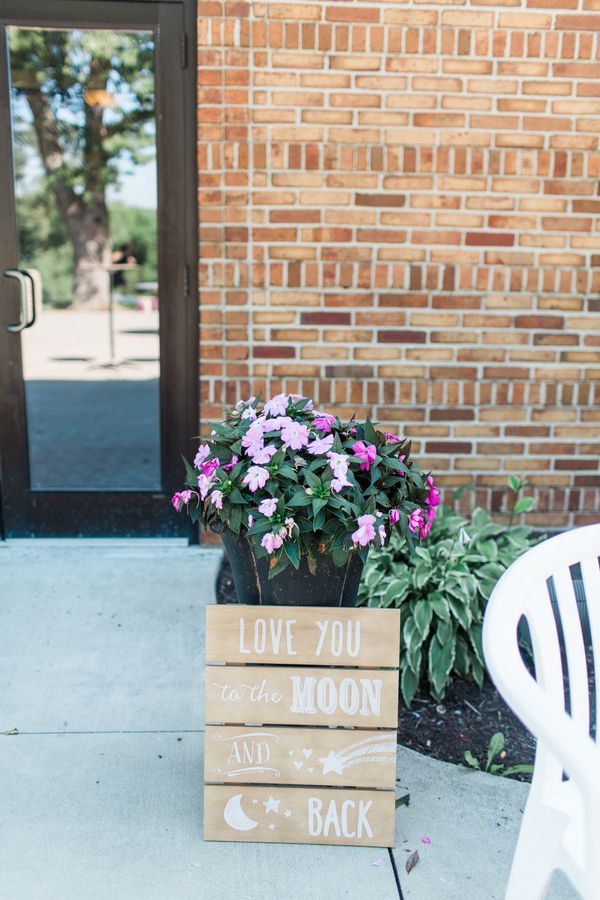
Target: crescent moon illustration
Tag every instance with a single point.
(235, 816)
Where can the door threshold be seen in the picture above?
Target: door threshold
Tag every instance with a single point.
(108, 543)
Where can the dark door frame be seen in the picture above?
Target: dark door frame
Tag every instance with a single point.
(24, 512)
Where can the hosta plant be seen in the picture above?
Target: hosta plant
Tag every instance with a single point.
(441, 590)
(299, 482)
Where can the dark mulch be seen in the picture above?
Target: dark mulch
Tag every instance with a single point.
(465, 720)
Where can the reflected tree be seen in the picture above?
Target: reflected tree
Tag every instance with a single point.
(90, 96)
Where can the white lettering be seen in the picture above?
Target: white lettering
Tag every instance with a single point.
(315, 823)
(260, 636)
(242, 627)
(371, 696)
(303, 694)
(327, 696)
(275, 630)
(322, 626)
(349, 697)
(337, 638)
(363, 822)
(346, 805)
(289, 637)
(331, 818)
(353, 650)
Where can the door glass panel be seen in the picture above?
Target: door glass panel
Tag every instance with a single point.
(83, 117)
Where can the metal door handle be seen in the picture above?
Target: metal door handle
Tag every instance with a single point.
(36, 293)
(30, 286)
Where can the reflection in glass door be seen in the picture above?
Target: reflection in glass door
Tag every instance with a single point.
(84, 150)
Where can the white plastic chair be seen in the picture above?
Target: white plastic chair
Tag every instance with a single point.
(561, 824)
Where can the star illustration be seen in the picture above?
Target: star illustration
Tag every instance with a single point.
(332, 763)
(287, 813)
(271, 805)
(272, 826)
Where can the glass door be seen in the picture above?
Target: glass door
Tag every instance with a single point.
(95, 306)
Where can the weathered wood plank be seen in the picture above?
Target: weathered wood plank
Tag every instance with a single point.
(299, 815)
(282, 695)
(323, 756)
(303, 635)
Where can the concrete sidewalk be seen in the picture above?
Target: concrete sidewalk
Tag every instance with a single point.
(101, 790)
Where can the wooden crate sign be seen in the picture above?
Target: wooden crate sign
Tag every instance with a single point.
(304, 636)
(277, 695)
(299, 815)
(332, 674)
(325, 756)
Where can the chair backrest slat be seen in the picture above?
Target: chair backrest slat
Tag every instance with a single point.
(574, 648)
(590, 573)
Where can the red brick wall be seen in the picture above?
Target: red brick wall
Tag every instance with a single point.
(399, 214)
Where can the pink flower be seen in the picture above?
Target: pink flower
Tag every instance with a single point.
(256, 477)
(261, 455)
(425, 529)
(352, 431)
(394, 516)
(296, 397)
(216, 498)
(324, 422)
(250, 521)
(433, 498)
(234, 461)
(290, 525)
(382, 534)
(208, 467)
(338, 463)
(277, 423)
(186, 496)
(204, 485)
(415, 520)
(272, 541)
(366, 452)
(365, 531)
(268, 507)
(203, 452)
(320, 445)
(176, 500)
(431, 513)
(254, 435)
(294, 435)
(391, 438)
(277, 405)
(249, 413)
(338, 483)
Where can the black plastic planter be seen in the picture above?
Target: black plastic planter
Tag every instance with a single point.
(329, 586)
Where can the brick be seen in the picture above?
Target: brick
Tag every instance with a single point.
(401, 337)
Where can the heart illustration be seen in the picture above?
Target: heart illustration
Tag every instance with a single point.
(298, 764)
(307, 753)
(311, 770)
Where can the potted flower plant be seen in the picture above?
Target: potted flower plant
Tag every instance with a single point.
(299, 496)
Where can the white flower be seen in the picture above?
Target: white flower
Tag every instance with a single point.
(268, 507)
(294, 435)
(204, 485)
(203, 452)
(216, 498)
(261, 455)
(277, 405)
(320, 445)
(256, 477)
(338, 463)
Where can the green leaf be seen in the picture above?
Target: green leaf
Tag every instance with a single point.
(523, 505)
(292, 553)
(470, 759)
(422, 614)
(441, 659)
(370, 433)
(515, 484)
(496, 746)
(409, 682)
